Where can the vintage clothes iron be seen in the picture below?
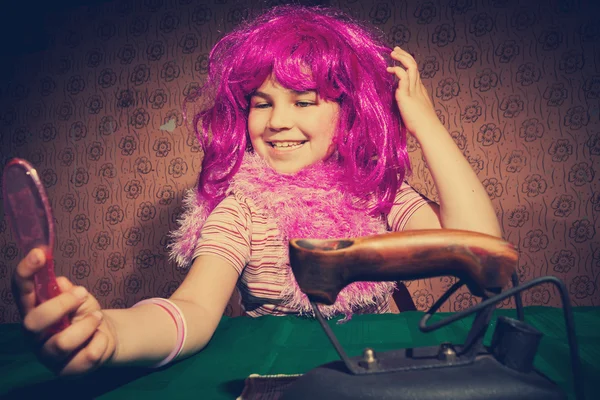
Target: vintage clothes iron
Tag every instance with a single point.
(469, 371)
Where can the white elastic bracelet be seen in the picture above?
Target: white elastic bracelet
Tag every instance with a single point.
(180, 323)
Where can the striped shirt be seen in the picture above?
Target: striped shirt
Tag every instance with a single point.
(241, 233)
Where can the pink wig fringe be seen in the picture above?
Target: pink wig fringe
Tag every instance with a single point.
(305, 49)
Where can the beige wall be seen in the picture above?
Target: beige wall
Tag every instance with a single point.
(99, 113)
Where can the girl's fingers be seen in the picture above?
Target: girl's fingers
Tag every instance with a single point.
(403, 80)
(64, 284)
(410, 65)
(88, 358)
(22, 283)
(61, 345)
(48, 313)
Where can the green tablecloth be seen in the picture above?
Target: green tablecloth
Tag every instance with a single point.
(284, 345)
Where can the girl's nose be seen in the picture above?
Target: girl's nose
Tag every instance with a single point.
(280, 119)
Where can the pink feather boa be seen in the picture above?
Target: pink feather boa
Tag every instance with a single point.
(307, 204)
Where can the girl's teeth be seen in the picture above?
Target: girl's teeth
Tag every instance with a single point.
(286, 144)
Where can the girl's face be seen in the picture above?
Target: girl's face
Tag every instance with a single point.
(291, 130)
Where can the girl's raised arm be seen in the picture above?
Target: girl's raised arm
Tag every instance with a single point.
(464, 203)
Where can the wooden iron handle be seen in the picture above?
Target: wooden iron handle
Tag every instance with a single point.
(323, 268)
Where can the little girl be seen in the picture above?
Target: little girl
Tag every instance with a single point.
(305, 136)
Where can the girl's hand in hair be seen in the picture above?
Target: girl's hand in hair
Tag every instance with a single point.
(464, 202)
(416, 107)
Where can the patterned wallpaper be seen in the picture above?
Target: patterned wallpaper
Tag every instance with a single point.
(99, 114)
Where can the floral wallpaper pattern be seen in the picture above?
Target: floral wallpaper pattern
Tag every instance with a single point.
(99, 113)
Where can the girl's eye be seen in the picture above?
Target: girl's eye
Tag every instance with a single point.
(304, 104)
(262, 105)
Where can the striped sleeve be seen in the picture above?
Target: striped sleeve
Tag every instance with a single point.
(227, 233)
(407, 201)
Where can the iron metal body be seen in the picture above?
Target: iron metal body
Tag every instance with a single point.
(468, 371)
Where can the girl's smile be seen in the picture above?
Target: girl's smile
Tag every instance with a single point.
(290, 129)
(286, 146)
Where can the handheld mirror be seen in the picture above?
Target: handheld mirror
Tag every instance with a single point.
(29, 215)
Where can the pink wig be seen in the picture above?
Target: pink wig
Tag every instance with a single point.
(306, 49)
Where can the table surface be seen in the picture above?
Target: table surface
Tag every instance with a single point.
(286, 345)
